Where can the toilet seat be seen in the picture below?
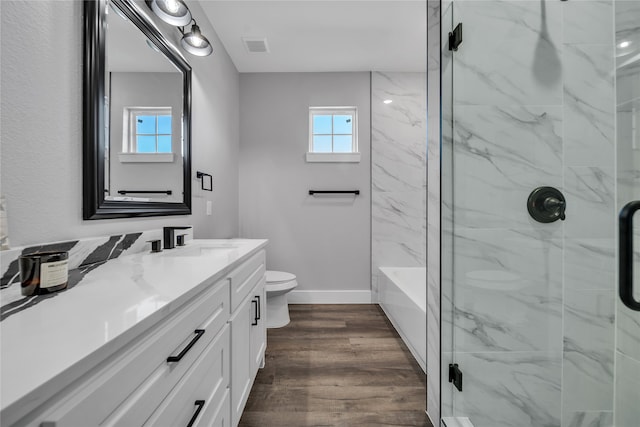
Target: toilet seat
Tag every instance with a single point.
(277, 281)
(279, 277)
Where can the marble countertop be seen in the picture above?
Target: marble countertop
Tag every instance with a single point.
(48, 345)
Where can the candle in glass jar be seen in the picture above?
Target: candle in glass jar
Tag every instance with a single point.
(44, 272)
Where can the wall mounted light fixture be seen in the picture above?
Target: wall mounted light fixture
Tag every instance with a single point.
(176, 12)
(194, 42)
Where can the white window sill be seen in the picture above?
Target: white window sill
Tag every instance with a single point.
(145, 157)
(333, 157)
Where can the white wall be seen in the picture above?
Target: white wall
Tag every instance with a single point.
(41, 128)
(325, 241)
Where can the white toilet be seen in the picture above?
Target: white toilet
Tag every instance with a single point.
(278, 285)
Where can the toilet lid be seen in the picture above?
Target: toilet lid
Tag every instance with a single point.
(279, 277)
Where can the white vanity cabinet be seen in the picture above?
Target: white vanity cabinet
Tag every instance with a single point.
(195, 367)
(127, 389)
(248, 332)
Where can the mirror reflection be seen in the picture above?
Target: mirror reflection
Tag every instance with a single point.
(144, 100)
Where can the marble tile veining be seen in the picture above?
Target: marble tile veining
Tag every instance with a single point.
(508, 294)
(628, 325)
(589, 105)
(590, 196)
(588, 357)
(588, 419)
(589, 263)
(627, 391)
(518, 62)
(583, 23)
(510, 389)
(398, 170)
(501, 155)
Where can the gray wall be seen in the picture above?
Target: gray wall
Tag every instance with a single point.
(325, 241)
(41, 128)
(145, 89)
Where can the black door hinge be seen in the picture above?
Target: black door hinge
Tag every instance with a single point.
(455, 37)
(455, 376)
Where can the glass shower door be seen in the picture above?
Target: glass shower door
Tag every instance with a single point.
(540, 96)
(627, 361)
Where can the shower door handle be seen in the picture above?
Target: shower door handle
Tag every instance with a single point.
(626, 255)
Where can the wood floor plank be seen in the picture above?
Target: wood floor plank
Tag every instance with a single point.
(337, 365)
(341, 419)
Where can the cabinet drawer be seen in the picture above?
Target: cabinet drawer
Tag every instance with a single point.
(198, 395)
(244, 278)
(127, 390)
(217, 415)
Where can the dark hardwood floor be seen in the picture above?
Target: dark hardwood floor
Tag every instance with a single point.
(337, 365)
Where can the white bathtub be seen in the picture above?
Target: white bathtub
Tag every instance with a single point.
(403, 297)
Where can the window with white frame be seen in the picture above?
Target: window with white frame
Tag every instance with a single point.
(150, 130)
(333, 130)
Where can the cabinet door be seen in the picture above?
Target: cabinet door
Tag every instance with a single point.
(259, 330)
(241, 376)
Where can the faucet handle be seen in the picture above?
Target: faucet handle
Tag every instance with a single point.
(168, 235)
(180, 240)
(547, 204)
(156, 245)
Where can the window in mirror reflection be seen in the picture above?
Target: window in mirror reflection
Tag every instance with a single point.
(150, 130)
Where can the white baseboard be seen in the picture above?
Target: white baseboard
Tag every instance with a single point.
(329, 297)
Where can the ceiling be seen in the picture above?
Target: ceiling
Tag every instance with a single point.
(323, 35)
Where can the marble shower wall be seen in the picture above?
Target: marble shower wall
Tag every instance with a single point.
(398, 171)
(533, 313)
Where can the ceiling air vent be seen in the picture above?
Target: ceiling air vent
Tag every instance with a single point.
(255, 44)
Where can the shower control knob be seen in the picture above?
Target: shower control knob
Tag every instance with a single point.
(546, 204)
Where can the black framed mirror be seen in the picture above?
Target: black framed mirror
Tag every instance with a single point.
(137, 116)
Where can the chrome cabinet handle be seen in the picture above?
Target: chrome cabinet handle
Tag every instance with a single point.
(259, 308)
(199, 333)
(625, 228)
(200, 405)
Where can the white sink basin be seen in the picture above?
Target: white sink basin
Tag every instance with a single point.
(197, 250)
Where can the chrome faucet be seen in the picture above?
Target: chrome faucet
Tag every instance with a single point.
(169, 235)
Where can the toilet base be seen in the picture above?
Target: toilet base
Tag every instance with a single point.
(277, 311)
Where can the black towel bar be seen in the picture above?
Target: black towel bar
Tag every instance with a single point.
(312, 192)
(167, 192)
